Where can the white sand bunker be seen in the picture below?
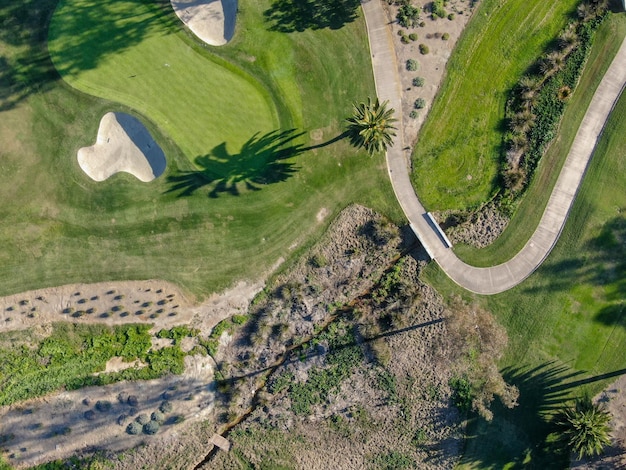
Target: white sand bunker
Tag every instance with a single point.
(213, 21)
(123, 144)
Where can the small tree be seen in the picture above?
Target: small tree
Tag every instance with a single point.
(585, 427)
(371, 126)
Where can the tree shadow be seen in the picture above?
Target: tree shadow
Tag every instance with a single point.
(262, 160)
(94, 32)
(521, 435)
(600, 262)
(288, 16)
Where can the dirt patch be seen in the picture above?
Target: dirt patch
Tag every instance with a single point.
(123, 144)
(439, 36)
(66, 423)
(114, 303)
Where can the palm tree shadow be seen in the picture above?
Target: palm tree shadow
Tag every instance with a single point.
(262, 160)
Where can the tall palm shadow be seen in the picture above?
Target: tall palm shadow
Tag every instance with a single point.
(262, 160)
(288, 16)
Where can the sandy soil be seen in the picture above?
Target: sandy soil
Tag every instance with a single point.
(432, 65)
(114, 303)
(212, 21)
(122, 144)
(66, 423)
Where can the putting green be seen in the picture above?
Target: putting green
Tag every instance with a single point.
(132, 52)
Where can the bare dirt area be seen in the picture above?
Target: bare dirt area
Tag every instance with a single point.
(355, 309)
(69, 423)
(439, 35)
(114, 303)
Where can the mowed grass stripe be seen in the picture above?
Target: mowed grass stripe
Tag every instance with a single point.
(457, 155)
(197, 102)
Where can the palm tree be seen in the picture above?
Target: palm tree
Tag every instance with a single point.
(370, 126)
(585, 427)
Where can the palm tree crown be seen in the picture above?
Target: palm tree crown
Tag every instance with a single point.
(585, 427)
(370, 126)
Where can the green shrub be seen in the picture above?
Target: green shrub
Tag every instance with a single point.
(151, 428)
(157, 416)
(424, 49)
(419, 103)
(451, 16)
(418, 81)
(408, 16)
(413, 36)
(404, 39)
(103, 406)
(166, 407)
(142, 419)
(438, 9)
(462, 395)
(445, 36)
(134, 428)
(412, 65)
(413, 114)
(318, 261)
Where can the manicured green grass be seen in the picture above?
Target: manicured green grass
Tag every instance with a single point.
(570, 311)
(60, 227)
(457, 156)
(527, 215)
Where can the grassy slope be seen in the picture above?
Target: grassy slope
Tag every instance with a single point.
(607, 42)
(462, 134)
(569, 311)
(70, 229)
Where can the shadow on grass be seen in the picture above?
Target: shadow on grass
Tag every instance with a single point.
(262, 160)
(90, 31)
(288, 16)
(600, 262)
(93, 31)
(521, 435)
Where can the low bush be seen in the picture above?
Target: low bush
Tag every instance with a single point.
(419, 103)
(151, 428)
(413, 36)
(418, 81)
(142, 419)
(412, 65)
(445, 36)
(424, 49)
(408, 16)
(413, 114)
(166, 407)
(103, 406)
(451, 16)
(157, 416)
(134, 428)
(437, 9)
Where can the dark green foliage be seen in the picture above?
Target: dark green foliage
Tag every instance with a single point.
(157, 416)
(392, 461)
(408, 16)
(166, 407)
(419, 103)
(424, 49)
(134, 428)
(418, 81)
(69, 356)
(371, 126)
(142, 419)
(177, 333)
(462, 395)
(413, 114)
(413, 36)
(412, 65)
(437, 9)
(151, 428)
(584, 428)
(343, 356)
(445, 36)
(103, 406)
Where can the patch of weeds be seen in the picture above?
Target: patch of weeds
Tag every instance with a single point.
(462, 395)
(393, 461)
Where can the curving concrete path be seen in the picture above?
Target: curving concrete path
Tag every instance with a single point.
(504, 276)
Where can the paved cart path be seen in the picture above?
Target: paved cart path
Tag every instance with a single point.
(504, 276)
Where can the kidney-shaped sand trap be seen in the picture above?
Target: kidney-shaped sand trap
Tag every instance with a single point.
(213, 21)
(123, 144)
